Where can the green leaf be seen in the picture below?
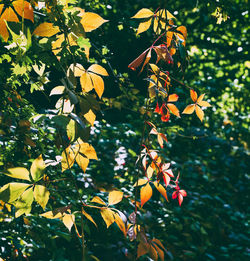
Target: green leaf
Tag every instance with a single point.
(23, 204)
(41, 195)
(71, 130)
(11, 191)
(37, 168)
(18, 173)
(83, 42)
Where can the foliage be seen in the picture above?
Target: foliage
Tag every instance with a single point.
(75, 143)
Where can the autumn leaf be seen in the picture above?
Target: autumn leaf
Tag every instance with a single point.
(24, 9)
(98, 200)
(115, 197)
(161, 189)
(198, 102)
(146, 194)
(88, 217)
(143, 13)
(46, 30)
(108, 216)
(91, 21)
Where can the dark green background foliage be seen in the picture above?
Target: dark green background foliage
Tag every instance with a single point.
(212, 157)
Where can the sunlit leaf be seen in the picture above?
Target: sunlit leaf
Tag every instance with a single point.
(108, 216)
(46, 30)
(37, 168)
(52, 215)
(98, 69)
(161, 189)
(183, 30)
(3, 30)
(143, 13)
(98, 84)
(9, 15)
(115, 197)
(173, 109)
(140, 182)
(189, 109)
(82, 161)
(68, 220)
(23, 204)
(147, 59)
(57, 90)
(97, 199)
(41, 195)
(146, 193)
(88, 217)
(86, 82)
(18, 173)
(11, 191)
(68, 159)
(173, 97)
(90, 117)
(204, 104)
(199, 112)
(120, 223)
(193, 95)
(138, 61)
(91, 21)
(24, 9)
(143, 26)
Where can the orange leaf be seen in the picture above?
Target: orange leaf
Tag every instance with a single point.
(173, 97)
(173, 109)
(9, 15)
(115, 197)
(142, 249)
(160, 140)
(159, 250)
(96, 68)
(24, 9)
(120, 223)
(169, 37)
(146, 194)
(1, 8)
(46, 30)
(200, 98)
(189, 109)
(193, 95)
(199, 112)
(161, 189)
(143, 13)
(91, 21)
(143, 26)
(3, 30)
(183, 30)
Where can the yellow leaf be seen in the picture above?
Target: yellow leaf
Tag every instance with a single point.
(199, 112)
(169, 15)
(46, 30)
(161, 189)
(90, 117)
(193, 95)
(115, 197)
(108, 216)
(41, 195)
(18, 173)
(68, 220)
(88, 217)
(155, 68)
(86, 82)
(200, 98)
(97, 199)
(150, 172)
(68, 159)
(51, 215)
(77, 70)
(95, 68)
(91, 21)
(204, 104)
(189, 109)
(88, 150)
(82, 161)
(173, 109)
(146, 194)
(57, 90)
(143, 26)
(98, 84)
(143, 13)
(37, 168)
(120, 223)
(1, 8)
(24, 9)
(140, 182)
(56, 45)
(9, 15)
